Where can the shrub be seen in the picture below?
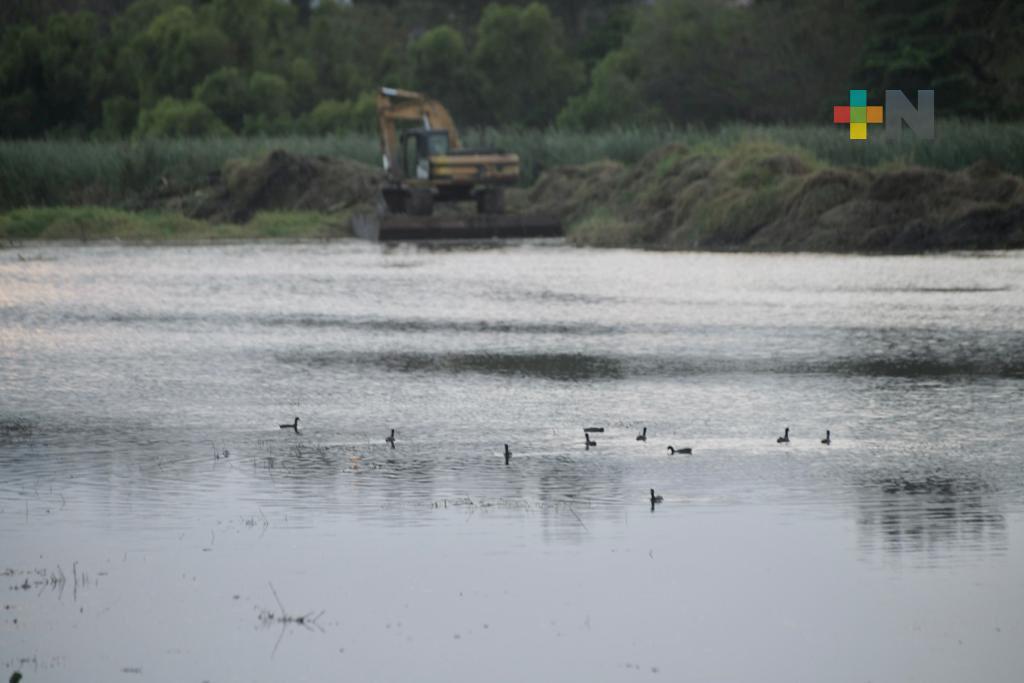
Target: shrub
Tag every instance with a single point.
(172, 118)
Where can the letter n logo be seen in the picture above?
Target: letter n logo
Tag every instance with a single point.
(899, 110)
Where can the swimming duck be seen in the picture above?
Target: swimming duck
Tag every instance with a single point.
(391, 439)
(294, 425)
(654, 498)
(784, 438)
(589, 443)
(508, 454)
(642, 436)
(681, 451)
(828, 438)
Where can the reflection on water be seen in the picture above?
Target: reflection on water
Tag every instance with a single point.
(934, 516)
(555, 366)
(139, 441)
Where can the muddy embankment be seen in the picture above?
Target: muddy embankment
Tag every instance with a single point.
(752, 197)
(279, 181)
(757, 197)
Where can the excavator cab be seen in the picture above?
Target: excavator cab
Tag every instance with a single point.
(418, 145)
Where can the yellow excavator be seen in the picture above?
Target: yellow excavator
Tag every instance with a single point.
(425, 163)
(428, 163)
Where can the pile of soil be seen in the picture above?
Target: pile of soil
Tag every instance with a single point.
(283, 182)
(764, 197)
(754, 196)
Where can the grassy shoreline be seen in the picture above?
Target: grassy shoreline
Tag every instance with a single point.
(126, 174)
(92, 224)
(738, 188)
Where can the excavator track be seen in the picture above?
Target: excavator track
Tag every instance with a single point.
(392, 227)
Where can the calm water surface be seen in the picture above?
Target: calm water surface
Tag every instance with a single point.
(149, 501)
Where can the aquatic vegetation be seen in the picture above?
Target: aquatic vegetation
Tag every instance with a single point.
(90, 223)
(129, 173)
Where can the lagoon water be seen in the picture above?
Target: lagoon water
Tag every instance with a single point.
(150, 506)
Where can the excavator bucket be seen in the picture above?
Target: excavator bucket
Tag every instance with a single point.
(391, 227)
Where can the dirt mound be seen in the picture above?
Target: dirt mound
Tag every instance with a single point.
(567, 191)
(285, 182)
(760, 196)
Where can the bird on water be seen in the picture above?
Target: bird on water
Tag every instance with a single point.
(391, 439)
(828, 438)
(294, 425)
(642, 436)
(588, 441)
(654, 498)
(784, 438)
(682, 451)
(508, 454)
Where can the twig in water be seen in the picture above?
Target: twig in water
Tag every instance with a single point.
(578, 518)
(307, 620)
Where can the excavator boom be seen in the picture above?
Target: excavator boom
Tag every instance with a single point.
(394, 105)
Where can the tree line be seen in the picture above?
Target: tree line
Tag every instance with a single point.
(121, 68)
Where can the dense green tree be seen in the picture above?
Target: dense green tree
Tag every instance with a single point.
(302, 84)
(175, 53)
(528, 75)
(604, 32)
(441, 67)
(613, 98)
(688, 48)
(172, 118)
(244, 23)
(54, 78)
(334, 116)
(226, 92)
(968, 51)
(800, 58)
(21, 81)
(354, 49)
(120, 116)
(269, 94)
(263, 66)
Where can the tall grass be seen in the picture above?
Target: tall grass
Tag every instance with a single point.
(48, 172)
(88, 223)
(958, 144)
(60, 172)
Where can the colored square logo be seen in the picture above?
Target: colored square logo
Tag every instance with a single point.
(858, 114)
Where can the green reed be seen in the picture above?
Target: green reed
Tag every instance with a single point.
(62, 172)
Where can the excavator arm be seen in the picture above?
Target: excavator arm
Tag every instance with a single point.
(394, 105)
